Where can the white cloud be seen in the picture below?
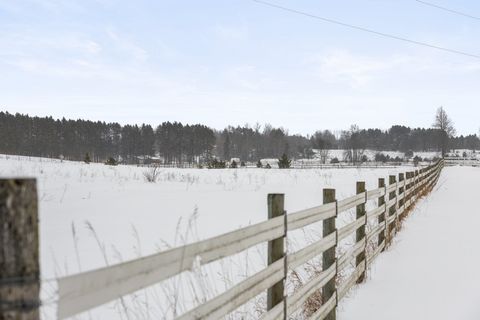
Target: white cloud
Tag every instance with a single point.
(128, 46)
(358, 71)
(231, 33)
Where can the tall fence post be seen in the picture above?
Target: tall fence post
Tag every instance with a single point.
(393, 208)
(276, 250)
(382, 217)
(329, 256)
(19, 251)
(360, 234)
(412, 186)
(401, 190)
(415, 185)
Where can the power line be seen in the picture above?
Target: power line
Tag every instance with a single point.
(378, 33)
(447, 9)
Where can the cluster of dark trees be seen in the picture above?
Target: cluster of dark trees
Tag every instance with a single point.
(175, 142)
(399, 138)
(252, 144)
(73, 139)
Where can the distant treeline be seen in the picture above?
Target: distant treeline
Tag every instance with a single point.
(175, 142)
(73, 139)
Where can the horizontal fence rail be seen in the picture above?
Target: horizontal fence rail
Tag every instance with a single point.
(457, 161)
(84, 291)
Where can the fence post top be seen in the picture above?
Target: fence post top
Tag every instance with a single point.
(360, 186)
(18, 181)
(328, 195)
(275, 194)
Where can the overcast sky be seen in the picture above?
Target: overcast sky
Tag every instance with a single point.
(221, 62)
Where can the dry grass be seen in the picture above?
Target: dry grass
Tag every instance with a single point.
(151, 175)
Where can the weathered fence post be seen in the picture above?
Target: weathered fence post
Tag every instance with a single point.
(276, 250)
(412, 186)
(382, 217)
(360, 234)
(393, 208)
(408, 189)
(19, 251)
(329, 256)
(415, 184)
(401, 190)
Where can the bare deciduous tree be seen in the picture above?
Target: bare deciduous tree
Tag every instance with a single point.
(444, 124)
(354, 146)
(323, 141)
(324, 155)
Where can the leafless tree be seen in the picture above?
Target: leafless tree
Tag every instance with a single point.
(324, 155)
(444, 124)
(354, 146)
(323, 141)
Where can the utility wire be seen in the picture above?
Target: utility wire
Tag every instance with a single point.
(378, 33)
(447, 9)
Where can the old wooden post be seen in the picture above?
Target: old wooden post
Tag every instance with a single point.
(415, 183)
(382, 217)
(276, 250)
(401, 190)
(19, 251)
(360, 234)
(393, 208)
(412, 186)
(328, 256)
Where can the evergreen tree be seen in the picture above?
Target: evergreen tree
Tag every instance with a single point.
(87, 159)
(284, 162)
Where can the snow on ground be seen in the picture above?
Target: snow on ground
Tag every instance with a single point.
(464, 153)
(370, 154)
(93, 214)
(431, 271)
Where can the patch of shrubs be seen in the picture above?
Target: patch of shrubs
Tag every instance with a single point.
(216, 164)
(380, 157)
(111, 162)
(416, 160)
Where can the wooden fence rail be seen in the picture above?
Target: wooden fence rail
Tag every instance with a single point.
(81, 292)
(84, 291)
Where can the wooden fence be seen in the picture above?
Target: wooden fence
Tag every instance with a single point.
(84, 291)
(457, 161)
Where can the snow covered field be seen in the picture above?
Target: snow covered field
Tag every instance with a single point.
(93, 215)
(370, 154)
(431, 270)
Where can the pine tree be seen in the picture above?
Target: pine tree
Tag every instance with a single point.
(226, 147)
(284, 162)
(87, 159)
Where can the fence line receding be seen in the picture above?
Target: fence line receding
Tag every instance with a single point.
(81, 292)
